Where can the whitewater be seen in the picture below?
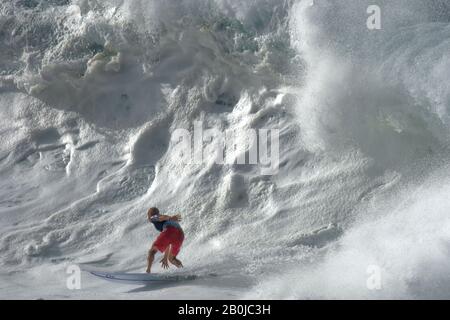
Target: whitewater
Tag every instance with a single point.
(91, 93)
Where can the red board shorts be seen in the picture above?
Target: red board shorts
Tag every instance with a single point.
(170, 236)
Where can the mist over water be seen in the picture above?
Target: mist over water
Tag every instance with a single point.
(92, 91)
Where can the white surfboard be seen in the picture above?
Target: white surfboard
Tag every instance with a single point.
(141, 278)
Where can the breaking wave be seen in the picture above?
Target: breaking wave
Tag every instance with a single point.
(92, 91)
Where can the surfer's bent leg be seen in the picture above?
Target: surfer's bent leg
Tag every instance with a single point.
(150, 258)
(177, 263)
(176, 246)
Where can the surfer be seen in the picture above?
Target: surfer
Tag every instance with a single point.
(169, 240)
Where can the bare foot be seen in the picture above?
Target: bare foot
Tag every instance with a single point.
(177, 263)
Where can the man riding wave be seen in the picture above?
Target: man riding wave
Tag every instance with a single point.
(169, 240)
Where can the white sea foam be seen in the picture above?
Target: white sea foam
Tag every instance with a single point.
(92, 91)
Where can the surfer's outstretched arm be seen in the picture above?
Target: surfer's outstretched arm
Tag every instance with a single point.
(163, 217)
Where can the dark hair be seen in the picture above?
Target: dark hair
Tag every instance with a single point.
(152, 211)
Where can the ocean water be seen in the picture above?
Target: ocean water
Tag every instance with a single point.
(91, 93)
